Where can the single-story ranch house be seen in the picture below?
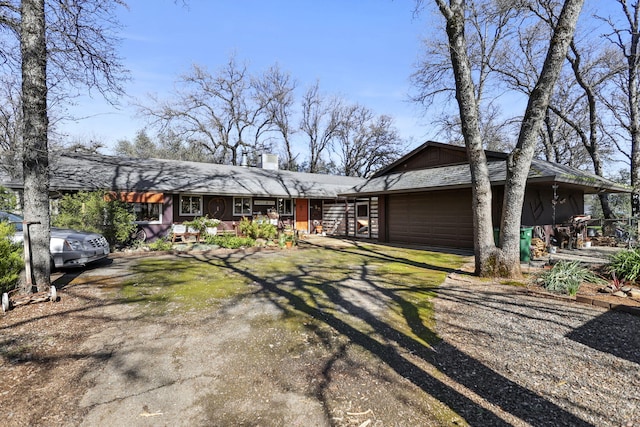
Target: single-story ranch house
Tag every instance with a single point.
(423, 198)
(166, 192)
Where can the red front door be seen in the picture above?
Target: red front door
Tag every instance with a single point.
(302, 215)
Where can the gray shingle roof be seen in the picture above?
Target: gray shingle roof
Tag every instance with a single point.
(75, 171)
(80, 171)
(458, 176)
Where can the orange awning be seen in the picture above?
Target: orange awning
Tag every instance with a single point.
(136, 197)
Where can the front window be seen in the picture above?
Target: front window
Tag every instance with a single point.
(242, 206)
(190, 205)
(147, 212)
(285, 206)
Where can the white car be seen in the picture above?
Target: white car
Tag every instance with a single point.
(69, 248)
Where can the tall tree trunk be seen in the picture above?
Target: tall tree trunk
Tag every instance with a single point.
(483, 242)
(506, 260)
(633, 60)
(519, 161)
(591, 142)
(599, 170)
(35, 150)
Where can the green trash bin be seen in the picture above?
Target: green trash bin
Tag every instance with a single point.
(526, 233)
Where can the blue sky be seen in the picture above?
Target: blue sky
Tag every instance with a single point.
(361, 50)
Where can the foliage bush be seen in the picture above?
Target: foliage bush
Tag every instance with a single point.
(230, 242)
(257, 229)
(162, 244)
(11, 261)
(625, 265)
(90, 211)
(566, 277)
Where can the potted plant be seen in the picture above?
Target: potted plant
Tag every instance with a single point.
(204, 225)
(289, 240)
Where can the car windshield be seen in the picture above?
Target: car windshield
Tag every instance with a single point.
(15, 219)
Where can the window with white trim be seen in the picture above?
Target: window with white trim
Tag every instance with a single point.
(147, 212)
(242, 206)
(190, 205)
(285, 206)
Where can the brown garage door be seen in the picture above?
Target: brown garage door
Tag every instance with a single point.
(435, 219)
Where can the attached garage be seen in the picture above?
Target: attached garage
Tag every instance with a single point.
(425, 198)
(436, 218)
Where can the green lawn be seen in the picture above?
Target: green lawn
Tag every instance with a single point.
(352, 329)
(354, 285)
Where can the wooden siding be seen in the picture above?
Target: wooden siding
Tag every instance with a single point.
(538, 206)
(431, 157)
(374, 218)
(334, 218)
(434, 219)
(338, 218)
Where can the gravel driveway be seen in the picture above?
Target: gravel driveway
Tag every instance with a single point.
(527, 360)
(506, 358)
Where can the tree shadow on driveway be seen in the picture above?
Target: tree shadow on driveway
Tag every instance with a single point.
(490, 395)
(622, 341)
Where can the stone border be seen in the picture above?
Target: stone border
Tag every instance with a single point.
(587, 300)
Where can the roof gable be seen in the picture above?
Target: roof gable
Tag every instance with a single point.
(458, 176)
(433, 154)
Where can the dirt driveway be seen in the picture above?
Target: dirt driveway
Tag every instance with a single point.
(93, 360)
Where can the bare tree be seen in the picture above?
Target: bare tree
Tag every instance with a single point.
(503, 261)
(232, 112)
(320, 123)
(624, 101)
(274, 89)
(571, 130)
(11, 127)
(84, 145)
(171, 146)
(589, 75)
(364, 142)
(489, 24)
(222, 112)
(58, 45)
(35, 153)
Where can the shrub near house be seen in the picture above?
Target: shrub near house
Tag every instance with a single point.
(90, 211)
(11, 262)
(259, 228)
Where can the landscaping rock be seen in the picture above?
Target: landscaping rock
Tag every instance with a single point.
(619, 294)
(561, 359)
(634, 293)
